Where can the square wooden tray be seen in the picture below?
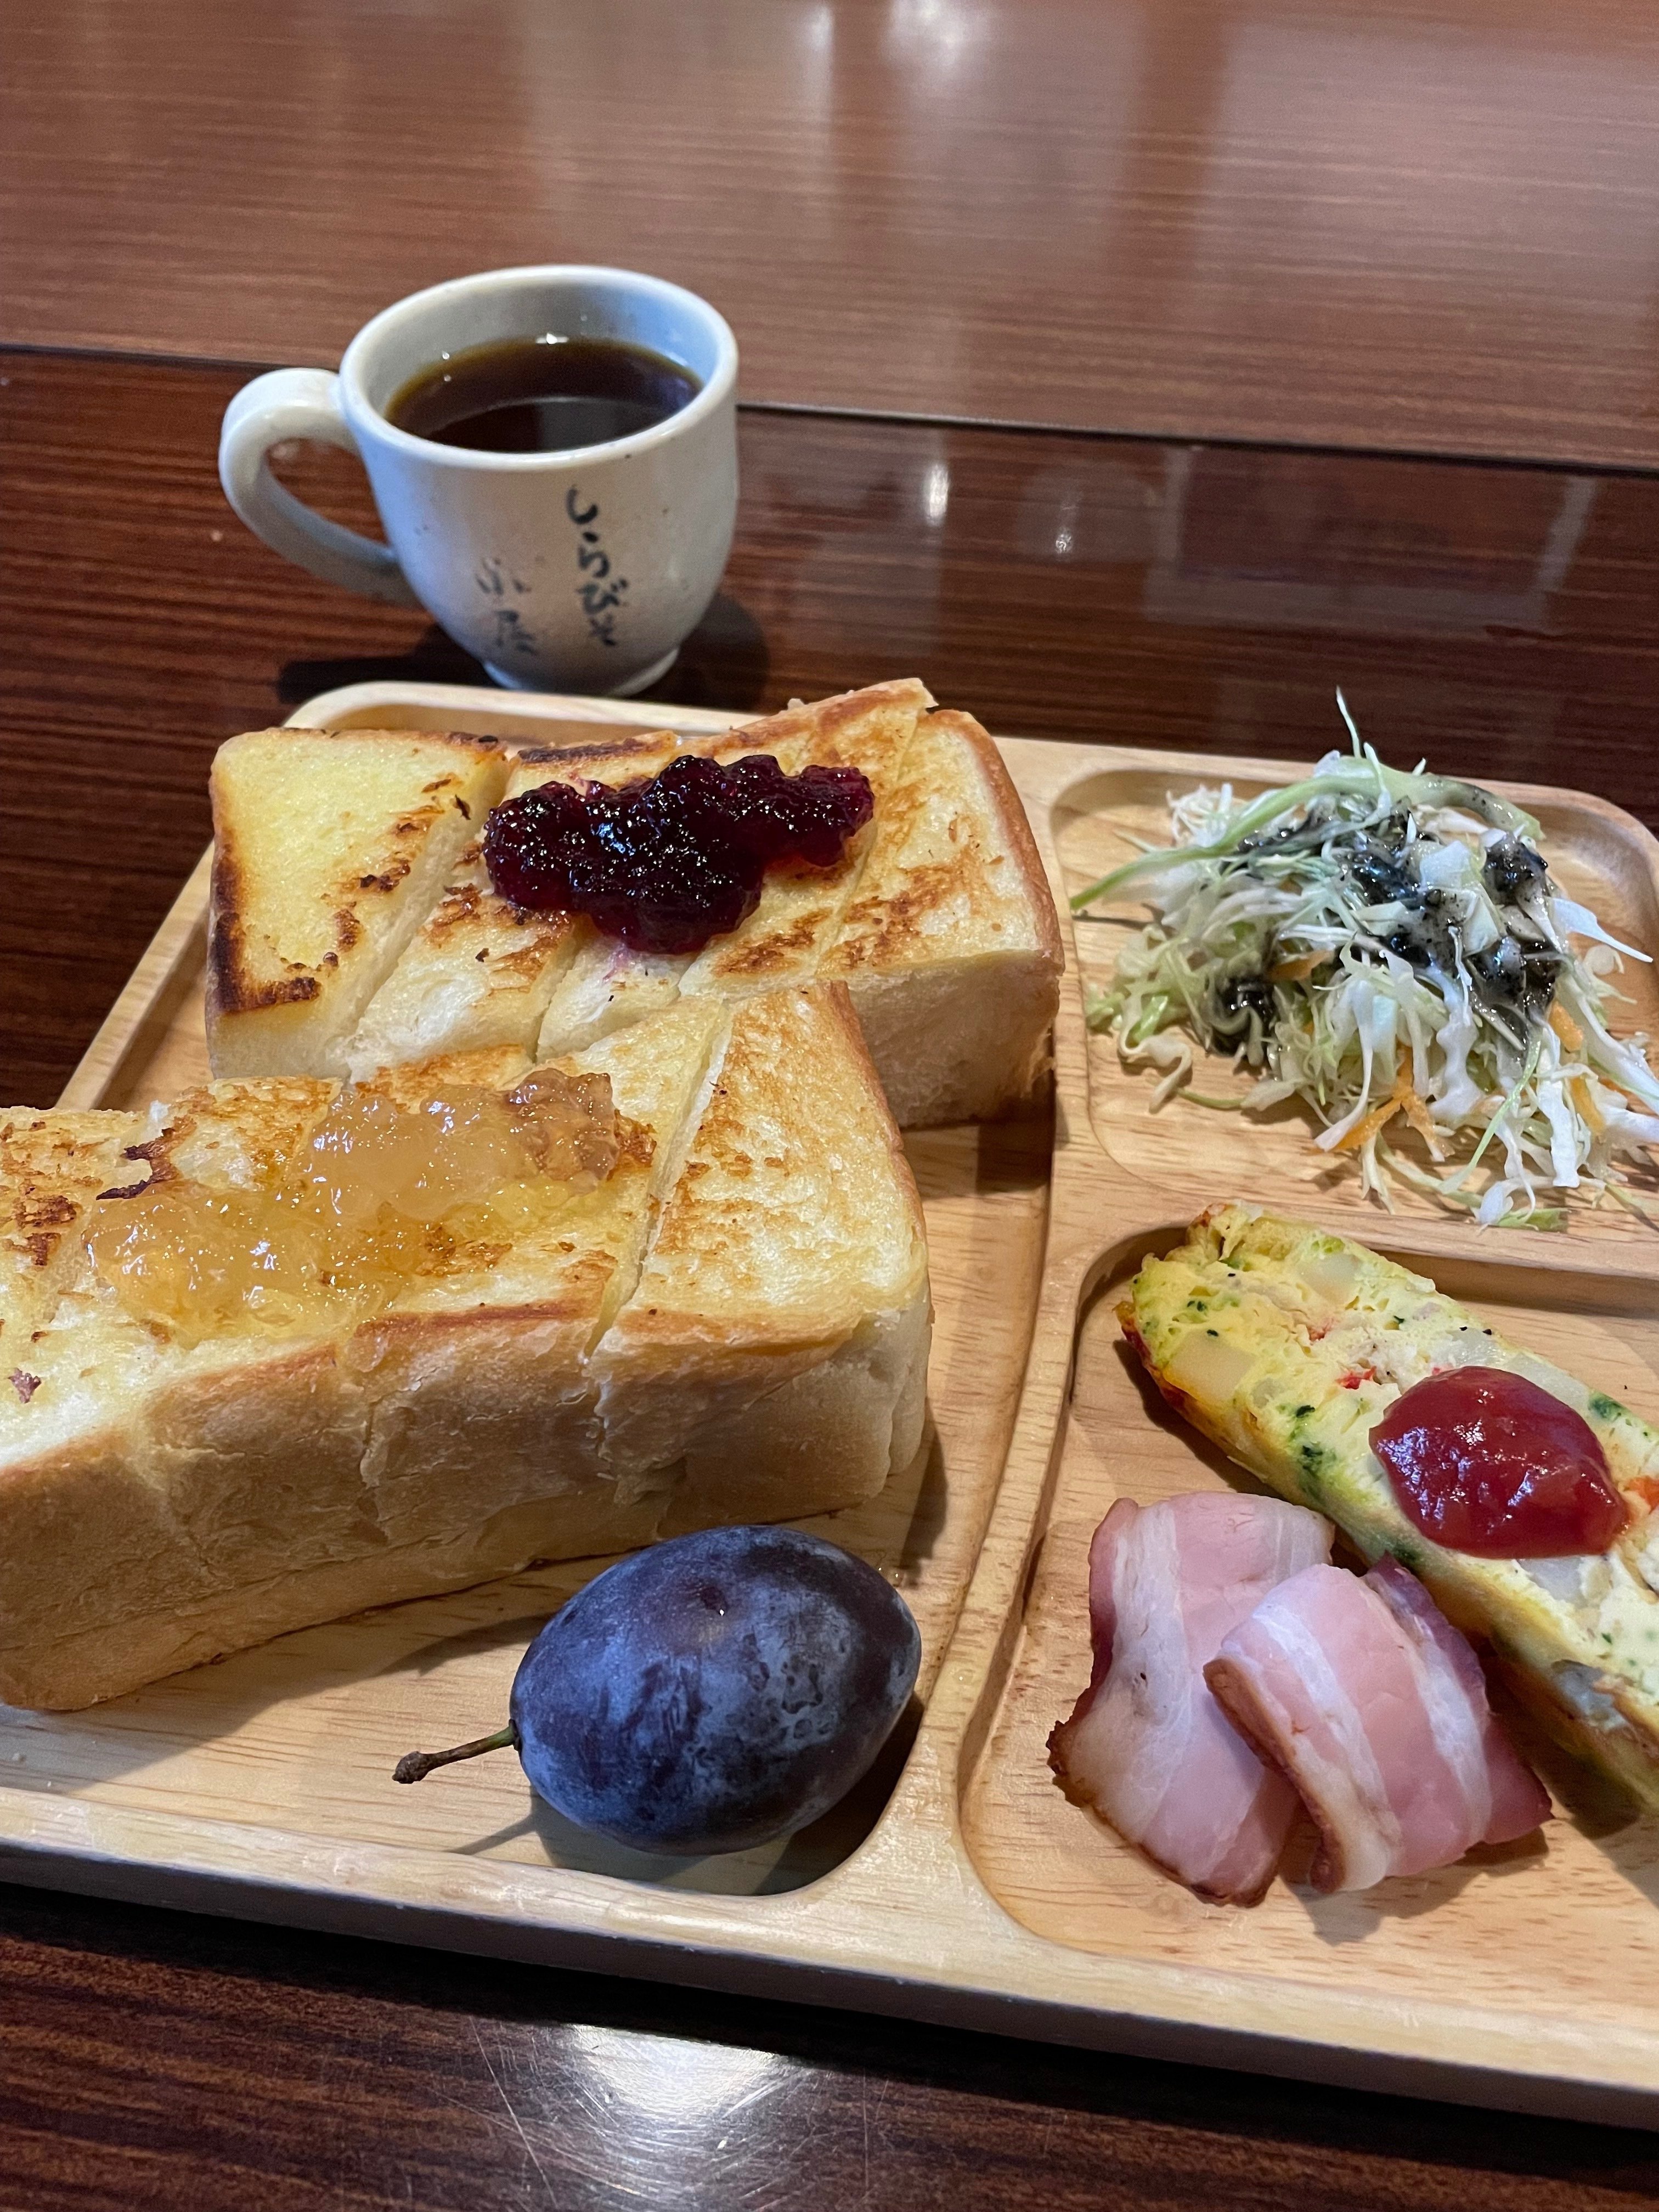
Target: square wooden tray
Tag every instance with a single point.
(960, 1886)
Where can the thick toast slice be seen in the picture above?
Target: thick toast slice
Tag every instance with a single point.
(1285, 1344)
(330, 848)
(171, 1492)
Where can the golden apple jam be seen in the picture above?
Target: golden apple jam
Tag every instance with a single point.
(383, 1197)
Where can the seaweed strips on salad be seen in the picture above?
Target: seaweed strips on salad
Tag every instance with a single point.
(1389, 947)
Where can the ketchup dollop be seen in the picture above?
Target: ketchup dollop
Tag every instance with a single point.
(1485, 1461)
(668, 861)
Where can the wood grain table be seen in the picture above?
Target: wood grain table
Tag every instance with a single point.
(1502, 619)
(1429, 224)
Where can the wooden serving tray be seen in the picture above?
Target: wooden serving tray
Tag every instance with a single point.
(958, 1885)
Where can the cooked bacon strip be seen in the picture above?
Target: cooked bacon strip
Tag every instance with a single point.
(1368, 1699)
(1147, 1746)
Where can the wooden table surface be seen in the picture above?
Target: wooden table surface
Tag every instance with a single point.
(1503, 620)
(1428, 224)
(1419, 227)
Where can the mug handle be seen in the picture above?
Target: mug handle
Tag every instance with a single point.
(299, 403)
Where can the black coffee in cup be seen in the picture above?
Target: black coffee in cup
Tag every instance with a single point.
(542, 395)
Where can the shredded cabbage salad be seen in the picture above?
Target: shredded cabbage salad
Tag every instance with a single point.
(1390, 948)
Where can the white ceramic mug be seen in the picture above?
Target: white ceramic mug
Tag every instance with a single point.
(574, 571)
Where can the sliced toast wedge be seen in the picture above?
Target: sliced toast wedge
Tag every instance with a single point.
(329, 849)
(774, 1348)
(800, 910)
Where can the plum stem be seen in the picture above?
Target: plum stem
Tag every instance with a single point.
(415, 1765)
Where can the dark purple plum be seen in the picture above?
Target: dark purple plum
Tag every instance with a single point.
(710, 1694)
(716, 1691)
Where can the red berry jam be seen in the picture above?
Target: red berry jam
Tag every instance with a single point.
(1486, 1462)
(670, 861)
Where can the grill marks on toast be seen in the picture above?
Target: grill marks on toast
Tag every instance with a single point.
(329, 849)
(951, 864)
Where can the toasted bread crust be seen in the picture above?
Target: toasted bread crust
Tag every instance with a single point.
(578, 1517)
(330, 846)
(825, 720)
(603, 760)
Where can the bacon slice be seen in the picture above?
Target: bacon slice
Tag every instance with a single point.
(1362, 1692)
(1147, 1746)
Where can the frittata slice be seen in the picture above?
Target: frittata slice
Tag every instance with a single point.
(1285, 1344)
